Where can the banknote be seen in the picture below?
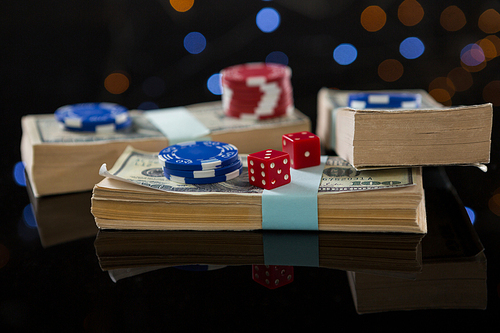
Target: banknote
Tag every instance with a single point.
(144, 168)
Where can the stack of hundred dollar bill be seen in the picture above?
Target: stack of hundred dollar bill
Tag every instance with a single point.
(58, 161)
(135, 195)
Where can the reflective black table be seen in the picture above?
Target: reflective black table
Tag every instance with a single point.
(60, 273)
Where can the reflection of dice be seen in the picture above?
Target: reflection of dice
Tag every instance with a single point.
(272, 276)
(269, 168)
(304, 149)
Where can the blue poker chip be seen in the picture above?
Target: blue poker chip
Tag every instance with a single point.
(205, 173)
(93, 117)
(198, 155)
(384, 100)
(209, 180)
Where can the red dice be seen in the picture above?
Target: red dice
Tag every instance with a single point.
(304, 149)
(269, 169)
(272, 276)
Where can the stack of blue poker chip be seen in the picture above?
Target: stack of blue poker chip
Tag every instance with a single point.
(384, 100)
(93, 117)
(200, 162)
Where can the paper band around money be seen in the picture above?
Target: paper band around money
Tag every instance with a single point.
(294, 206)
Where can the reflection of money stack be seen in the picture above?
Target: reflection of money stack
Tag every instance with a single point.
(453, 262)
(59, 161)
(391, 253)
(135, 195)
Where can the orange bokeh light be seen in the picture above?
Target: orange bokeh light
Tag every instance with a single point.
(489, 21)
(460, 79)
(410, 12)
(390, 70)
(116, 83)
(373, 18)
(491, 93)
(442, 90)
(182, 5)
(452, 18)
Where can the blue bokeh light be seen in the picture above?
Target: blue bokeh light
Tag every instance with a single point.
(277, 57)
(195, 42)
(18, 173)
(472, 214)
(29, 216)
(214, 84)
(268, 19)
(345, 54)
(472, 55)
(148, 105)
(411, 48)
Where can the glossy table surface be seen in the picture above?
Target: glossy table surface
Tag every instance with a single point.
(59, 273)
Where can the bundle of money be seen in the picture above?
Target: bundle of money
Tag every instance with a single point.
(61, 161)
(387, 134)
(135, 195)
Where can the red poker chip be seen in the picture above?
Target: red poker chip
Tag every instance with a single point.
(279, 113)
(262, 98)
(258, 111)
(276, 101)
(252, 74)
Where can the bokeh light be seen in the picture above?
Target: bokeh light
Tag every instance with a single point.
(491, 46)
(195, 42)
(268, 19)
(182, 5)
(277, 57)
(373, 18)
(411, 48)
(390, 70)
(472, 214)
(491, 92)
(410, 12)
(19, 175)
(214, 84)
(489, 21)
(116, 83)
(442, 90)
(153, 86)
(494, 204)
(345, 54)
(29, 216)
(460, 78)
(472, 55)
(452, 18)
(148, 105)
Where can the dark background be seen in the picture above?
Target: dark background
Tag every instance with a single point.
(54, 53)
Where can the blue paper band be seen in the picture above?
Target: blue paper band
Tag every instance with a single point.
(291, 248)
(294, 206)
(178, 125)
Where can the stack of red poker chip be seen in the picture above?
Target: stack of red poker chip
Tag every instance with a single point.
(257, 90)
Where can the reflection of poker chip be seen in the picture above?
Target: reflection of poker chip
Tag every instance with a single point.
(384, 100)
(208, 180)
(256, 90)
(198, 155)
(93, 117)
(205, 173)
